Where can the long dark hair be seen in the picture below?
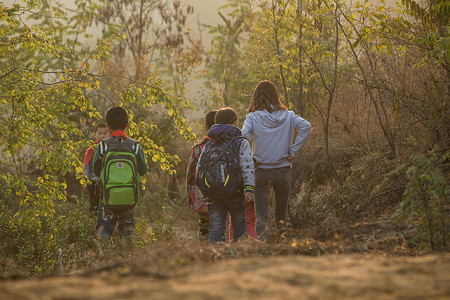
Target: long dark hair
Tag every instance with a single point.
(265, 97)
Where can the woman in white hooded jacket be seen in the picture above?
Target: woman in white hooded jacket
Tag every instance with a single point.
(270, 127)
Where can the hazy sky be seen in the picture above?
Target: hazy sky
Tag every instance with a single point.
(205, 12)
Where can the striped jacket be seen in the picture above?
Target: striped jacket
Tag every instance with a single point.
(190, 174)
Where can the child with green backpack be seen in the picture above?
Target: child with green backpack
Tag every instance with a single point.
(119, 162)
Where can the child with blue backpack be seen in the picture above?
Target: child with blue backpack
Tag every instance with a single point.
(119, 162)
(225, 175)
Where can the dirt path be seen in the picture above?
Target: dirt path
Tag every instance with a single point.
(289, 277)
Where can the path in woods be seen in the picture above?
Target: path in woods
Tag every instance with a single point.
(286, 277)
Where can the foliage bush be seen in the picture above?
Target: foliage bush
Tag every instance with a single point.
(53, 89)
(31, 244)
(426, 200)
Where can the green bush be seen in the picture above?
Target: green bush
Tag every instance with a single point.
(426, 201)
(32, 244)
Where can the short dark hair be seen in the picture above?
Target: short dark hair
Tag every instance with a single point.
(99, 125)
(226, 115)
(209, 120)
(117, 118)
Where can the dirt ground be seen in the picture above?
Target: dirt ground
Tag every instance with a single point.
(368, 260)
(341, 276)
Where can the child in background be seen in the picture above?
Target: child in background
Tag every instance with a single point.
(270, 126)
(100, 132)
(117, 122)
(249, 219)
(225, 130)
(195, 198)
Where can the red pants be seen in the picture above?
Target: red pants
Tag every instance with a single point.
(249, 218)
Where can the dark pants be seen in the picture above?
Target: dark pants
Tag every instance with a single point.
(107, 220)
(280, 179)
(203, 225)
(218, 210)
(93, 197)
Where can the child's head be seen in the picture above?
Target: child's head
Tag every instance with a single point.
(265, 96)
(209, 120)
(226, 115)
(117, 118)
(100, 132)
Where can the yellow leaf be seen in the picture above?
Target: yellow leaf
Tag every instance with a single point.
(170, 112)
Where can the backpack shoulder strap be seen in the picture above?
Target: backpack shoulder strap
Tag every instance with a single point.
(130, 142)
(109, 141)
(105, 144)
(237, 141)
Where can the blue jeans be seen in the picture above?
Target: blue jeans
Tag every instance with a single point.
(218, 210)
(280, 179)
(107, 220)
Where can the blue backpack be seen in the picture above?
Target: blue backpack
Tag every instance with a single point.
(218, 171)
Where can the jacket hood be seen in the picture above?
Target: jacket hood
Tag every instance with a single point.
(270, 120)
(224, 131)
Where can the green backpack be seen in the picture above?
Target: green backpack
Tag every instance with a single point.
(119, 178)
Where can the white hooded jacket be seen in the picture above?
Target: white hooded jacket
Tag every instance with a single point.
(272, 136)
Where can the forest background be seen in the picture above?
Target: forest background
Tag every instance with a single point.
(373, 80)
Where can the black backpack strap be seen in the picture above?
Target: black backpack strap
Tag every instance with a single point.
(109, 141)
(130, 143)
(237, 141)
(114, 140)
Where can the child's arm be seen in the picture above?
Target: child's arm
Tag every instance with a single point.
(247, 166)
(304, 129)
(247, 128)
(190, 176)
(97, 160)
(140, 157)
(87, 158)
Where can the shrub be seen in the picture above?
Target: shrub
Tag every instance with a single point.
(426, 201)
(32, 244)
